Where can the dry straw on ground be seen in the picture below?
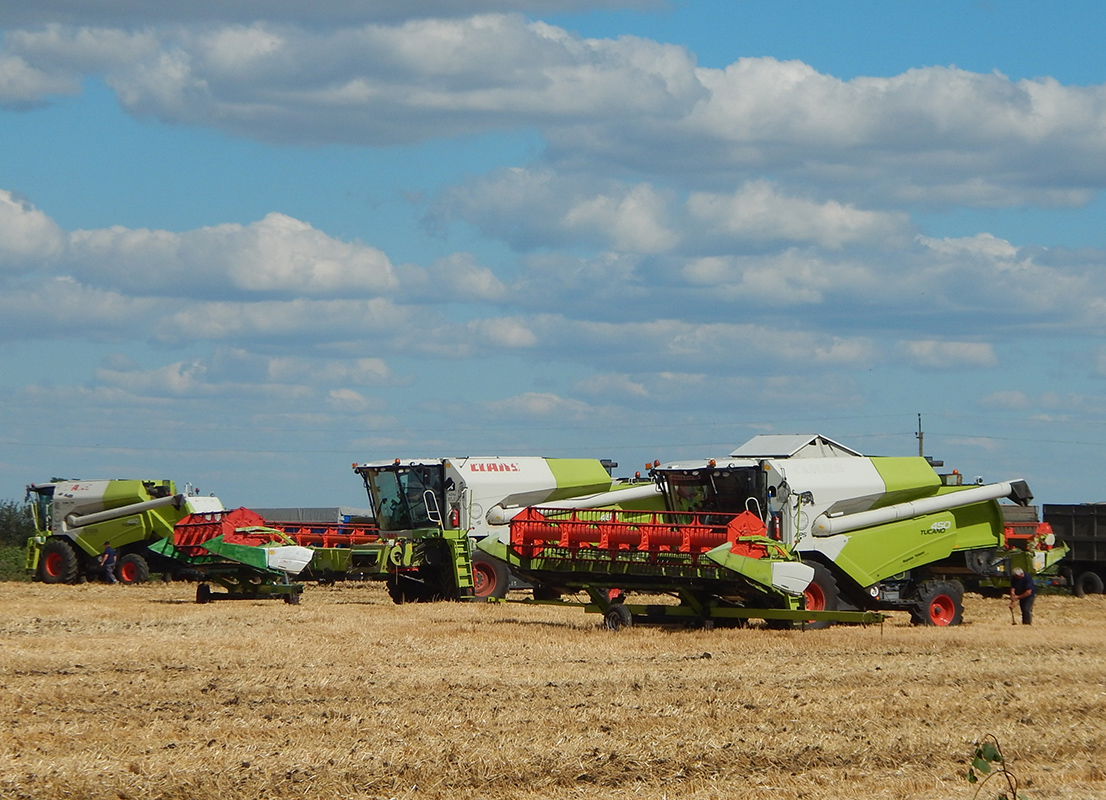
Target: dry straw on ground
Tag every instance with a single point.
(136, 692)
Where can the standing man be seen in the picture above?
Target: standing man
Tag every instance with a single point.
(106, 565)
(1023, 590)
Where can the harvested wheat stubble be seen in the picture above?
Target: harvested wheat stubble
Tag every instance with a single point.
(136, 692)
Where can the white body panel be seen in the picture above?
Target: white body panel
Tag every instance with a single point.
(806, 488)
(792, 577)
(203, 505)
(77, 497)
(487, 482)
(288, 558)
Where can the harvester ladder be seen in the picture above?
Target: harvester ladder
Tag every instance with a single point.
(460, 553)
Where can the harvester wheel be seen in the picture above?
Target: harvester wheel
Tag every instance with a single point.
(939, 603)
(1087, 583)
(132, 568)
(617, 617)
(821, 595)
(58, 562)
(490, 577)
(203, 593)
(402, 590)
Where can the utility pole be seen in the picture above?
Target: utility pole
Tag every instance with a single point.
(921, 438)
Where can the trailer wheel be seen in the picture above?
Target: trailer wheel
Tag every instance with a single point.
(490, 577)
(58, 562)
(132, 568)
(939, 603)
(1087, 583)
(821, 595)
(618, 617)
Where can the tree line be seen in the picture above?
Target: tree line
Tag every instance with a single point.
(16, 522)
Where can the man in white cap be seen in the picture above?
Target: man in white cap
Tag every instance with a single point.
(1023, 590)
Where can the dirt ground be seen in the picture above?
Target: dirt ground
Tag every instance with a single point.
(136, 692)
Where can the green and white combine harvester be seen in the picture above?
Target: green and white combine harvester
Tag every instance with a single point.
(153, 527)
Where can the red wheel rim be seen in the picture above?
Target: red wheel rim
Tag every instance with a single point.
(483, 580)
(54, 564)
(942, 610)
(128, 572)
(815, 598)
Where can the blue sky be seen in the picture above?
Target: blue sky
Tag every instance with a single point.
(243, 245)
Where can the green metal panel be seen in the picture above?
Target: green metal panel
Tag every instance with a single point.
(250, 555)
(874, 554)
(331, 559)
(152, 524)
(978, 525)
(577, 477)
(757, 570)
(905, 479)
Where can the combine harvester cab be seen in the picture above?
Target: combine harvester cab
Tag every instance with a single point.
(430, 512)
(880, 533)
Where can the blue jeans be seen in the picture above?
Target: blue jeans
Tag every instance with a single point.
(1027, 609)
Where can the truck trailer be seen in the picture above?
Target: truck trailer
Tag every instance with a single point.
(1082, 528)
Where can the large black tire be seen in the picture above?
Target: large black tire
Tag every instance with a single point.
(490, 577)
(821, 595)
(58, 562)
(617, 618)
(1087, 583)
(396, 591)
(426, 588)
(132, 568)
(939, 603)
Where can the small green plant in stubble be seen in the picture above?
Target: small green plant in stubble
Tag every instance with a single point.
(988, 763)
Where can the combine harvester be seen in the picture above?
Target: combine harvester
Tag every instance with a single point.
(431, 511)
(872, 534)
(151, 526)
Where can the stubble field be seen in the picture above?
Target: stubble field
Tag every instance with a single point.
(136, 692)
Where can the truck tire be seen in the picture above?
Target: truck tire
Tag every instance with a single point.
(132, 568)
(58, 562)
(617, 618)
(939, 603)
(490, 577)
(1087, 583)
(821, 595)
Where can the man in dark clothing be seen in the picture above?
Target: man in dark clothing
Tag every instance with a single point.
(1023, 590)
(106, 564)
